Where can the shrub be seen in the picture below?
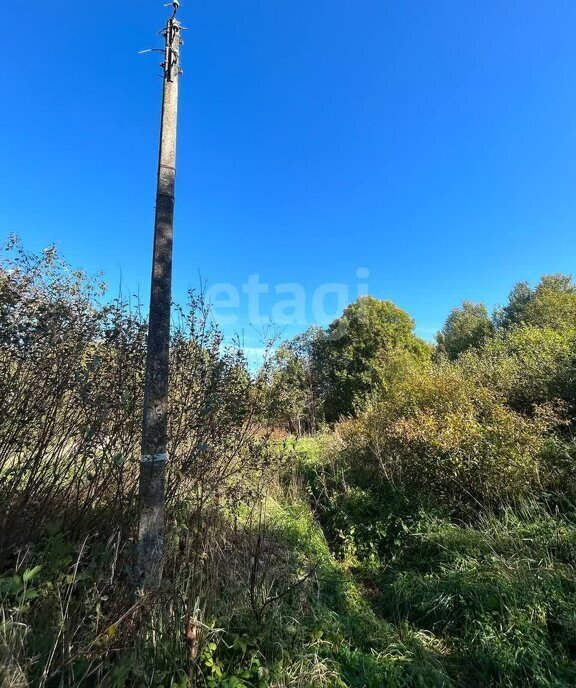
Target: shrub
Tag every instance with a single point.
(528, 365)
(71, 382)
(71, 387)
(441, 436)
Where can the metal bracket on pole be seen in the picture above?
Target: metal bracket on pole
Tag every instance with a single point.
(171, 33)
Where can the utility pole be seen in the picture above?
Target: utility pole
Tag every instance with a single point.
(150, 555)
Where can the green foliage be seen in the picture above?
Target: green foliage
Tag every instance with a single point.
(369, 346)
(292, 378)
(551, 304)
(322, 376)
(528, 365)
(492, 601)
(448, 501)
(466, 327)
(328, 375)
(440, 435)
(513, 312)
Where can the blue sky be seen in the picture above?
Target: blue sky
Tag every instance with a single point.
(430, 143)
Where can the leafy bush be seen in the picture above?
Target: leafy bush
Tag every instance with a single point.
(324, 375)
(71, 378)
(551, 304)
(71, 384)
(528, 365)
(439, 435)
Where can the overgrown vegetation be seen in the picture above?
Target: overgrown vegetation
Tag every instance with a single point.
(414, 525)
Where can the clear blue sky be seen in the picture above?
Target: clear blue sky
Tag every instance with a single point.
(432, 143)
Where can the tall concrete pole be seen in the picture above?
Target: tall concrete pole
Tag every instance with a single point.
(150, 555)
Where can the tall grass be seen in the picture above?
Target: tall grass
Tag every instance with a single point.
(494, 596)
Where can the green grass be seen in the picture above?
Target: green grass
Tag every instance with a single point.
(366, 649)
(491, 603)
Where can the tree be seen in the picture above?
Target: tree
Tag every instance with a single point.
(513, 312)
(361, 351)
(466, 327)
(551, 304)
(293, 390)
(529, 366)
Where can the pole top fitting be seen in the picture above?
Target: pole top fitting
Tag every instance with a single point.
(175, 4)
(173, 41)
